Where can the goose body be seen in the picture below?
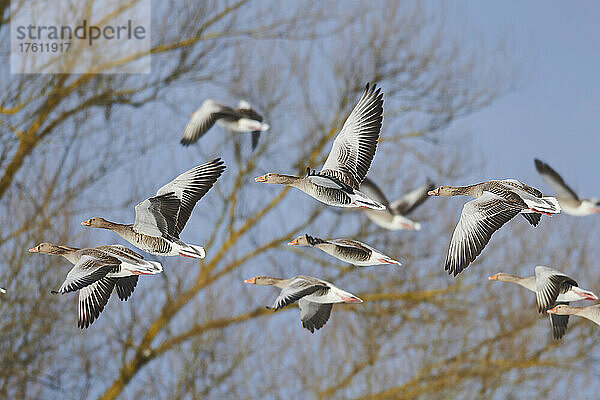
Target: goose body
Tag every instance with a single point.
(496, 202)
(590, 312)
(241, 119)
(315, 297)
(160, 219)
(96, 272)
(569, 201)
(393, 217)
(337, 184)
(551, 287)
(347, 250)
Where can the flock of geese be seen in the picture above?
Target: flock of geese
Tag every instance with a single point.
(341, 182)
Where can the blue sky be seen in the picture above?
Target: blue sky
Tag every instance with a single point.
(554, 113)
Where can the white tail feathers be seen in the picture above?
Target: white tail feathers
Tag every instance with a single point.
(553, 205)
(192, 251)
(361, 200)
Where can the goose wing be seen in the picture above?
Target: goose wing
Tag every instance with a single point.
(89, 269)
(413, 199)
(549, 283)
(354, 147)
(157, 216)
(558, 323)
(553, 179)
(203, 119)
(178, 198)
(373, 191)
(479, 219)
(92, 300)
(297, 289)
(314, 315)
(125, 286)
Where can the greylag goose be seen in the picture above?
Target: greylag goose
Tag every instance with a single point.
(551, 287)
(349, 160)
(496, 203)
(569, 201)
(160, 219)
(241, 119)
(315, 297)
(96, 272)
(347, 250)
(394, 216)
(590, 312)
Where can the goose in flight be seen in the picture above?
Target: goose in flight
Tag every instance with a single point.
(241, 119)
(349, 160)
(551, 287)
(590, 312)
(393, 217)
(496, 202)
(160, 219)
(569, 201)
(96, 272)
(347, 250)
(315, 297)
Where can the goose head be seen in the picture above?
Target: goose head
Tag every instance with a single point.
(97, 222)
(590, 207)
(276, 179)
(561, 309)
(300, 241)
(262, 280)
(585, 294)
(49, 248)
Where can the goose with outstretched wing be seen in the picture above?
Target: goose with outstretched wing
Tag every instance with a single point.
(159, 220)
(338, 182)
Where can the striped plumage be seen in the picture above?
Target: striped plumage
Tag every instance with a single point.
(347, 250)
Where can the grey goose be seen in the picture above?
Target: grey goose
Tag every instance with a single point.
(159, 220)
(315, 297)
(337, 184)
(551, 288)
(347, 250)
(569, 201)
(496, 202)
(241, 119)
(96, 272)
(393, 217)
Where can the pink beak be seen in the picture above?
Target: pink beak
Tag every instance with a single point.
(434, 192)
(260, 179)
(33, 250)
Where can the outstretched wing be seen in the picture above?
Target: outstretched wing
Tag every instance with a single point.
(354, 147)
(92, 300)
(373, 191)
(88, 270)
(203, 119)
(296, 290)
(549, 283)
(413, 199)
(190, 187)
(553, 179)
(479, 220)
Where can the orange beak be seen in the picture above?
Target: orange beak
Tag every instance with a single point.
(261, 178)
(86, 223)
(434, 192)
(293, 242)
(33, 250)
(551, 311)
(251, 280)
(493, 277)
